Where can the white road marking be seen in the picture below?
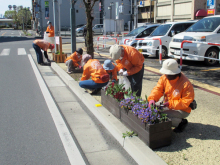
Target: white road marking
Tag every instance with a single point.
(5, 52)
(21, 51)
(71, 149)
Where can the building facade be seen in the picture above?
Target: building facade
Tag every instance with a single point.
(180, 10)
(145, 11)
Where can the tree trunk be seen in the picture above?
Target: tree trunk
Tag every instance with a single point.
(89, 35)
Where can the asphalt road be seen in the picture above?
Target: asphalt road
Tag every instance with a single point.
(28, 133)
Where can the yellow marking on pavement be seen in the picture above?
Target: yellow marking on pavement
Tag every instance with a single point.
(3, 33)
(210, 69)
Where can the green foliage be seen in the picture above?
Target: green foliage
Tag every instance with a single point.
(9, 14)
(58, 52)
(129, 134)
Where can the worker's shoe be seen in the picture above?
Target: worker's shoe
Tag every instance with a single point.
(45, 64)
(181, 126)
(96, 91)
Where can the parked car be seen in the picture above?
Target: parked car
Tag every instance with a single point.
(98, 29)
(205, 30)
(80, 25)
(139, 32)
(165, 32)
(79, 31)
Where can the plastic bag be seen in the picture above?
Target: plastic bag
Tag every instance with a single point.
(124, 80)
(49, 39)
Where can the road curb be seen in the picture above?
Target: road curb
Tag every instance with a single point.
(139, 151)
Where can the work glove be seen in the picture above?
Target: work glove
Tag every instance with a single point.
(80, 67)
(121, 71)
(152, 102)
(125, 73)
(166, 104)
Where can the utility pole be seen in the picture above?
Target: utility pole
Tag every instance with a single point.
(55, 14)
(135, 14)
(150, 9)
(73, 32)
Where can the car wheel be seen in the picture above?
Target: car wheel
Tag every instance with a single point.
(164, 52)
(212, 53)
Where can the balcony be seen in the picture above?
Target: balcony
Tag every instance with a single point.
(145, 15)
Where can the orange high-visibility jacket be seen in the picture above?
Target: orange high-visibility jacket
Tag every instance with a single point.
(94, 69)
(50, 30)
(113, 72)
(119, 65)
(179, 92)
(133, 60)
(42, 44)
(76, 60)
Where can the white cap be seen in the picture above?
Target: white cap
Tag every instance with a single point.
(170, 67)
(115, 51)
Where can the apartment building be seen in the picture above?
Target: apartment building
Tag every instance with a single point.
(146, 11)
(180, 10)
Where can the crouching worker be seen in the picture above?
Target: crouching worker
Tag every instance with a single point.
(74, 61)
(93, 68)
(131, 64)
(178, 94)
(111, 69)
(44, 45)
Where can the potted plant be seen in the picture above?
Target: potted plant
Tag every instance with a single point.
(59, 57)
(111, 96)
(150, 123)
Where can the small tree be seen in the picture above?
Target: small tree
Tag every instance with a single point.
(89, 4)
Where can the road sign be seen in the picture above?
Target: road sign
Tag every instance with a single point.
(210, 4)
(211, 11)
(100, 6)
(116, 10)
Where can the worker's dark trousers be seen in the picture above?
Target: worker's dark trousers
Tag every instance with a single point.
(38, 53)
(136, 81)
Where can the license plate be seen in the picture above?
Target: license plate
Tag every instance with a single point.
(140, 50)
(177, 52)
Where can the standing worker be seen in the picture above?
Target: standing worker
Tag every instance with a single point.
(50, 29)
(178, 94)
(44, 45)
(131, 63)
(74, 61)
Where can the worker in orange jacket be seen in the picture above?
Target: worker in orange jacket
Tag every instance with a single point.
(111, 69)
(44, 45)
(178, 94)
(93, 68)
(74, 61)
(131, 64)
(50, 29)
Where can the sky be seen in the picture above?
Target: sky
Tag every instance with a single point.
(4, 4)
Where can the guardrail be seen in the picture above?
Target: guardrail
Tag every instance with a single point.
(104, 41)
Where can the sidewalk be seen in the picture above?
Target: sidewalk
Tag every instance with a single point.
(200, 141)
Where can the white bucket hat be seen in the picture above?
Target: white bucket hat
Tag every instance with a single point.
(170, 67)
(115, 51)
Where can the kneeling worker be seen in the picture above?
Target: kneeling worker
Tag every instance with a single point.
(94, 69)
(111, 69)
(178, 94)
(74, 61)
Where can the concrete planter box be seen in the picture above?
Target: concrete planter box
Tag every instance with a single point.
(155, 136)
(111, 104)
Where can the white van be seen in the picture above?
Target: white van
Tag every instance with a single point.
(164, 32)
(205, 30)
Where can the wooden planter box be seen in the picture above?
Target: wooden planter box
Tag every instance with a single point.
(155, 136)
(59, 58)
(111, 104)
